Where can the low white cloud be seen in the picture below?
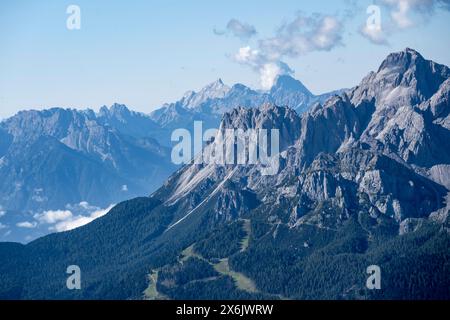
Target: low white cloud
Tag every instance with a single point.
(84, 205)
(269, 73)
(73, 216)
(71, 224)
(247, 55)
(268, 70)
(79, 220)
(27, 224)
(3, 226)
(53, 216)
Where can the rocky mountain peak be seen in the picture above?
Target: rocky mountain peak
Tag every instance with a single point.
(239, 87)
(214, 90)
(403, 59)
(287, 83)
(403, 79)
(218, 83)
(118, 111)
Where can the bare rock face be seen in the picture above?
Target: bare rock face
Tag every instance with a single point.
(232, 202)
(409, 225)
(266, 117)
(380, 149)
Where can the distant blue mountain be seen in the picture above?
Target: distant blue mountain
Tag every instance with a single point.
(55, 158)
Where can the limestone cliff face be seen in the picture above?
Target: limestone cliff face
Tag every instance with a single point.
(381, 149)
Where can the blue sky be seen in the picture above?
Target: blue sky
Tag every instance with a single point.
(145, 53)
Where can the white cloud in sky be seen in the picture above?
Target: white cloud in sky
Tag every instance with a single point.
(304, 34)
(269, 73)
(53, 216)
(73, 222)
(375, 34)
(247, 55)
(239, 29)
(3, 226)
(84, 205)
(73, 216)
(268, 70)
(27, 224)
(402, 15)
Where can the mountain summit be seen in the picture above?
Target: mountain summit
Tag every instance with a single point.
(214, 90)
(403, 78)
(288, 91)
(287, 83)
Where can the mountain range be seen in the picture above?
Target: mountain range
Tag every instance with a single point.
(55, 159)
(211, 102)
(363, 180)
